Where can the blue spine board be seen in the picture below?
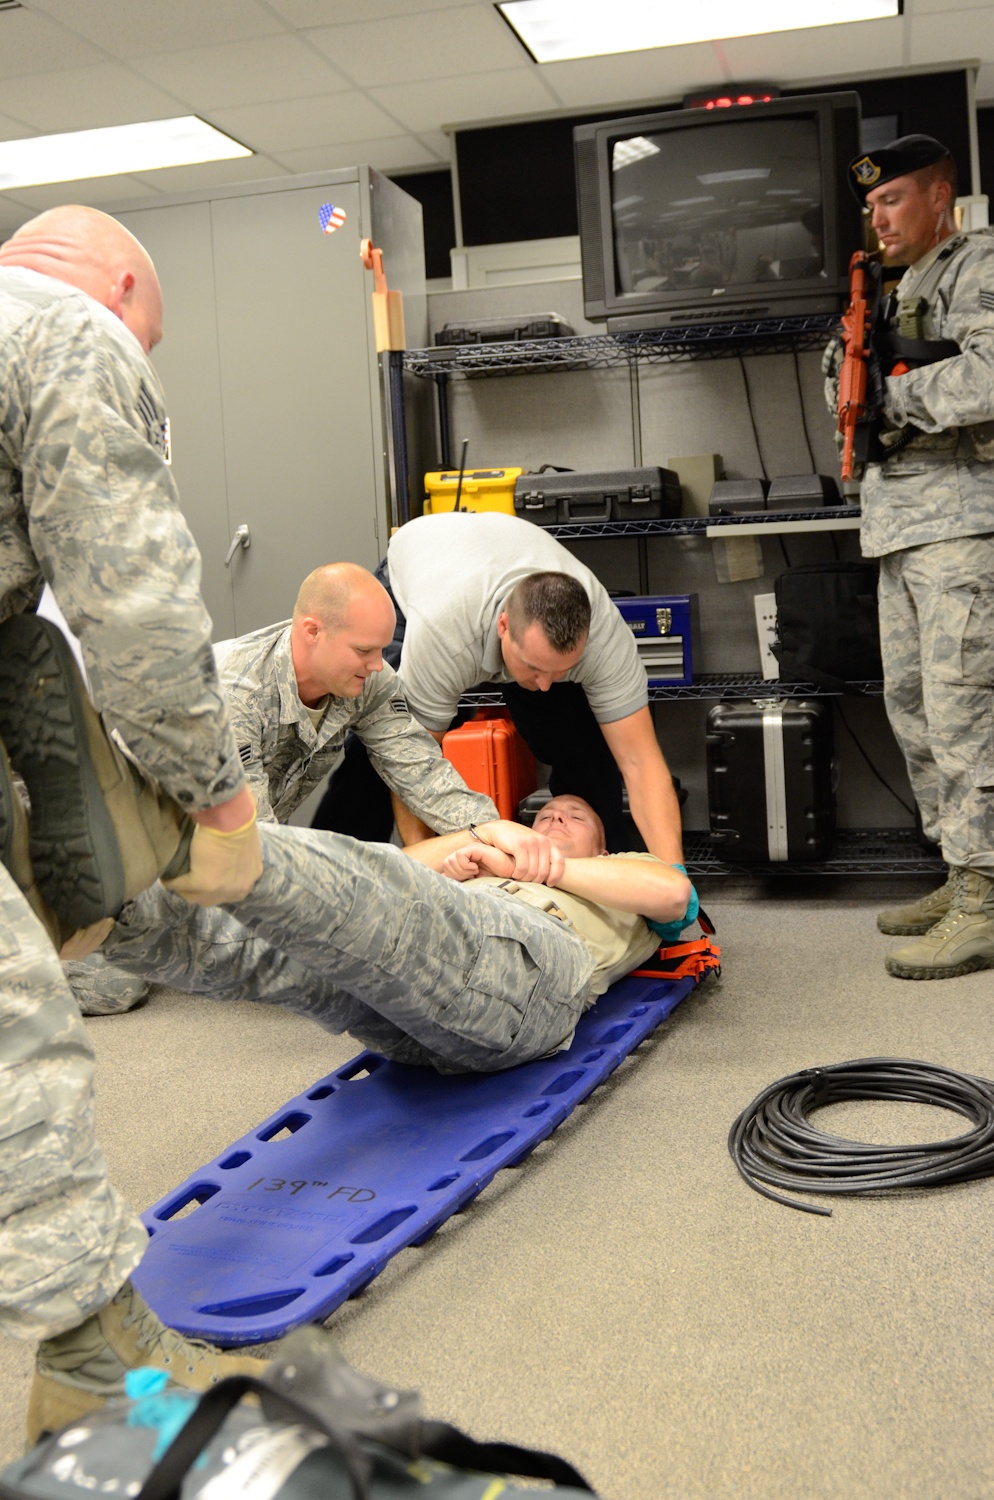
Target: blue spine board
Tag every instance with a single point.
(304, 1211)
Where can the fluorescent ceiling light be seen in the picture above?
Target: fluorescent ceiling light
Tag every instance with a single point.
(116, 148)
(554, 30)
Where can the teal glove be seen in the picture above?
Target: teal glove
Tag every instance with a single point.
(670, 931)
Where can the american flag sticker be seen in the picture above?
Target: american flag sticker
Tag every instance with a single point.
(330, 218)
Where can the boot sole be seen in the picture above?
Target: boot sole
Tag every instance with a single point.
(909, 929)
(74, 848)
(930, 971)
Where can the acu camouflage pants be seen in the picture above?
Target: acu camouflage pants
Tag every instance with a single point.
(460, 977)
(67, 1239)
(937, 640)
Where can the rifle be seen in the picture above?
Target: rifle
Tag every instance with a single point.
(860, 385)
(873, 351)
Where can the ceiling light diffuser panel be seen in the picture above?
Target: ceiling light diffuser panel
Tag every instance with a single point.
(556, 30)
(145, 147)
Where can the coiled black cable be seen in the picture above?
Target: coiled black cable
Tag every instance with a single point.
(773, 1142)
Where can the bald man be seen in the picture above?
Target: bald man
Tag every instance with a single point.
(297, 688)
(296, 691)
(87, 501)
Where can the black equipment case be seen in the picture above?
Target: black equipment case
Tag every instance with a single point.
(554, 497)
(770, 777)
(737, 497)
(504, 330)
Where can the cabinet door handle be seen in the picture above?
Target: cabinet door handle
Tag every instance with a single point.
(241, 538)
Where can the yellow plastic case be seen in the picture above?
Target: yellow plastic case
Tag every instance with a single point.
(481, 489)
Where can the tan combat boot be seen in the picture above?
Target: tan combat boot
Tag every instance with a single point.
(78, 1371)
(918, 916)
(961, 941)
(100, 831)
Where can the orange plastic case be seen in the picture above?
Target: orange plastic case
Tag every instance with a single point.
(491, 757)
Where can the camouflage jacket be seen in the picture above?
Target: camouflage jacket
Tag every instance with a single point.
(87, 501)
(941, 484)
(285, 757)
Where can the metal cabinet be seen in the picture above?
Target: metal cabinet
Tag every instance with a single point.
(272, 379)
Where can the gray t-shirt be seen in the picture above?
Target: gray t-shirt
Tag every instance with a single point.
(451, 575)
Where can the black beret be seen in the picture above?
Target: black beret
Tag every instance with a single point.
(909, 153)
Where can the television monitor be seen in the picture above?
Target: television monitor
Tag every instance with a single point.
(695, 215)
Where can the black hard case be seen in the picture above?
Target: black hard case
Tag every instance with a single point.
(503, 330)
(557, 497)
(770, 789)
(737, 497)
(799, 491)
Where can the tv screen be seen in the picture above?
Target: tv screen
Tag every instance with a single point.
(689, 214)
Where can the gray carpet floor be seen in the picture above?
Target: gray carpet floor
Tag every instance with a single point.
(623, 1297)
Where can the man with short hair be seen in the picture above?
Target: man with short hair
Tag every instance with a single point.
(928, 514)
(295, 691)
(445, 954)
(490, 598)
(88, 502)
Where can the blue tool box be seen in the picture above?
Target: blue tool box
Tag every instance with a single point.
(665, 628)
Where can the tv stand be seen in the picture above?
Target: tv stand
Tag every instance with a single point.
(729, 340)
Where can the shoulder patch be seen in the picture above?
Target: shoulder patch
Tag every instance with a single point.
(245, 754)
(399, 706)
(987, 299)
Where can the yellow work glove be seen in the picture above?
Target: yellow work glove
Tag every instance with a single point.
(223, 866)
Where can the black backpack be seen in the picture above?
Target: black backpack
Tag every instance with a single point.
(828, 632)
(321, 1431)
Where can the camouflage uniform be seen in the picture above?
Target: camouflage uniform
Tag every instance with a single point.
(87, 501)
(928, 514)
(471, 976)
(285, 757)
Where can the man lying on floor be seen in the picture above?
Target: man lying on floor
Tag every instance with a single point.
(432, 955)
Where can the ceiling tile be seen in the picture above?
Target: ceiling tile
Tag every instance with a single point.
(95, 192)
(923, 7)
(316, 12)
(790, 58)
(253, 72)
(661, 74)
(30, 43)
(484, 96)
(438, 142)
(139, 27)
(951, 36)
(386, 155)
(299, 123)
(210, 174)
(85, 98)
(13, 130)
(436, 44)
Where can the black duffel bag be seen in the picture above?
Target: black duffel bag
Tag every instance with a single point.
(828, 632)
(320, 1431)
